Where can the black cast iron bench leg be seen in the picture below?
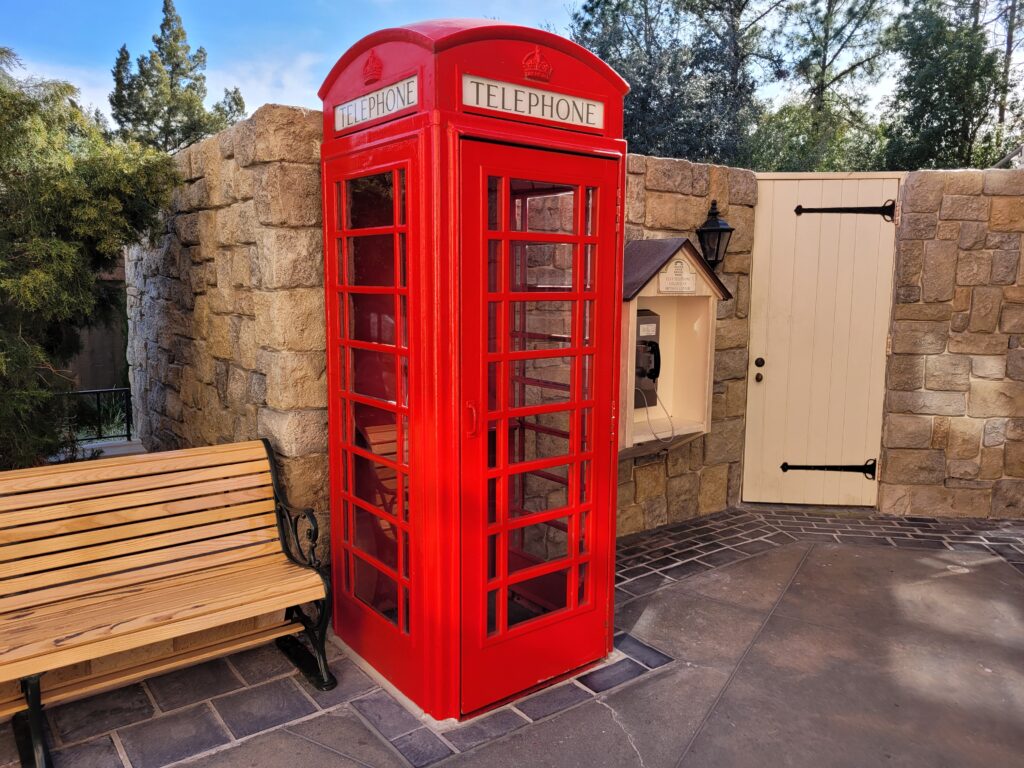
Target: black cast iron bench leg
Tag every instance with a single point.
(30, 736)
(312, 665)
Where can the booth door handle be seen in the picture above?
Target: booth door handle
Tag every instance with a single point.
(474, 417)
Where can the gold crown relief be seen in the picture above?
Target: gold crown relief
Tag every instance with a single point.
(535, 66)
(372, 68)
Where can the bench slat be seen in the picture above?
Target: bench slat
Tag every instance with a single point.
(120, 467)
(231, 600)
(163, 542)
(141, 575)
(182, 559)
(66, 525)
(70, 541)
(130, 500)
(36, 499)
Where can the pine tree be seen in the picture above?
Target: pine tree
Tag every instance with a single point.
(161, 102)
(70, 200)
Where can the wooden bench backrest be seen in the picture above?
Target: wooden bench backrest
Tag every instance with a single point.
(74, 529)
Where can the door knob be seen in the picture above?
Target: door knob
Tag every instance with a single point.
(759, 377)
(759, 362)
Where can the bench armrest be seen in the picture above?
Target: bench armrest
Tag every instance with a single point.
(298, 541)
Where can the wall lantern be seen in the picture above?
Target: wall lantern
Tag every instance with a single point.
(714, 235)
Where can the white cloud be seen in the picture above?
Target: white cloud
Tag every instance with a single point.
(279, 78)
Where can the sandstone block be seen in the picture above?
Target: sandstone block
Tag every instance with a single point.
(1013, 459)
(629, 520)
(933, 403)
(907, 294)
(994, 432)
(961, 469)
(932, 312)
(724, 443)
(305, 480)
(947, 373)
(905, 372)
(294, 433)
(718, 187)
(938, 501)
(948, 230)
(730, 334)
(277, 133)
(985, 306)
(978, 343)
(964, 208)
(999, 181)
(1005, 267)
(922, 191)
(939, 273)
(905, 431)
(291, 319)
(988, 366)
(1012, 319)
(919, 338)
(964, 438)
(714, 489)
(289, 258)
(294, 379)
(963, 182)
(636, 163)
(996, 398)
(288, 195)
(917, 226)
(973, 267)
(701, 179)
(742, 218)
(683, 496)
(655, 512)
(626, 494)
(1015, 364)
(913, 467)
(742, 187)
(940, 432)
(636, 198)
(909, 262)
(991, 465)
(1008, 499)
(736, 263)
(893, 499)
(1007, 214)
(669, 175)
(730, 364)
(650, 481)
(972, 235)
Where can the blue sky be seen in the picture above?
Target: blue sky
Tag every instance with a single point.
(274, 51)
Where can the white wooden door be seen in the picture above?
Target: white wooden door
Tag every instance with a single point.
(821, 291)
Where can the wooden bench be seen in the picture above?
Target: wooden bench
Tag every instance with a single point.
(106, 557)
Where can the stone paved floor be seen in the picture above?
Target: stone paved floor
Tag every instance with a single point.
(754, 638)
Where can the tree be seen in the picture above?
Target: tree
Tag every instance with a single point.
(70, 200)
(641, 40)
(945, 101)
(160, 103)
(733, 55)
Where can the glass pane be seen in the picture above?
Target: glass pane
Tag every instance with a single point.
(538, 491)
(402, 266)
(372, 317)
(493, 430)
(541, 436)
(586, 430)
(588, 267)
(404, 456)
(492, 556)
(535, 544)
(539, 381)
(370, 201)
(403, 321)
(585, 482)
(405, 554)
(492, 501)
(373, 374)
(586, 390)
(541, 266)
(494, 266)
(371, 260)
(376, 589)
(493, 204)
(540, 325)
(376, 484)
(536, 597)
(588, 323)
(376, 536)
(375, 430)
(492, 612)
(581, 585)
(493, 387)
(403, 368)
(584, 532)
(589, 210)
(401, 195)
(540, 206)
(405, 603)
(493, 325)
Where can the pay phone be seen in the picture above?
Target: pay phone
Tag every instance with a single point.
(648, 358)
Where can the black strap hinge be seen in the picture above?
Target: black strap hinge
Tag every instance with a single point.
(867, 468)
(887, 211)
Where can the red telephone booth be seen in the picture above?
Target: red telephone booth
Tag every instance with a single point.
(472, 178)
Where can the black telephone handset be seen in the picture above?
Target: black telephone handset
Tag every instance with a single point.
(648, 360)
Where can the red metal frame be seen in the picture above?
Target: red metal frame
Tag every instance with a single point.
(425, 549)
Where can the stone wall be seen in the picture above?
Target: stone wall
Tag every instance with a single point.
(953, 432)
(667, 198)
(226, 316)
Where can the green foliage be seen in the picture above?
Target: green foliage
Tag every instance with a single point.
(693, 66)
(943, 108)
(796, 137)
(160, 102)
(70, 201)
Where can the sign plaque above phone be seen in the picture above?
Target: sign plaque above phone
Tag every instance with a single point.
(678, 276)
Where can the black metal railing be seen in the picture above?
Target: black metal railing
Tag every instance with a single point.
(100, 414)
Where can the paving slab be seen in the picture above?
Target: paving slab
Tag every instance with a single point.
(280, 749)
(385, 714)
(756, 583)
(255, 709)
(422, 748)
(342, 731)
(352, 682)
(169, 738)
(79, 720)
(98, 753)
(257, 665)
(191, 684)
(553, 700)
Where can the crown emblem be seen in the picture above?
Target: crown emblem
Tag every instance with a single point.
(535, 66)
(372, 68)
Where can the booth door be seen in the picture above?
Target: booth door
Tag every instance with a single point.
(538, 300)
